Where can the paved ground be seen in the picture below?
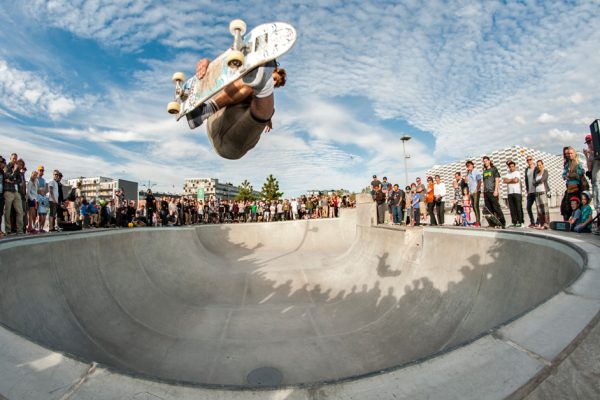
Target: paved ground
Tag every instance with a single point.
(315, 300)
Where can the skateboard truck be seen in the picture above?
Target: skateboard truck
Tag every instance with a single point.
(174, 107)
(235, 59)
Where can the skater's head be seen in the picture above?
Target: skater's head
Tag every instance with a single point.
(469, 164)
(279, 76)
(437, 179)
(465, 190)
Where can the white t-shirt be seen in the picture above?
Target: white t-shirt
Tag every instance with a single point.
(439, 189)
(54, 185)
(513, 188)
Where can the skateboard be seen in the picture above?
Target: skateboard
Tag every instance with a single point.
(560, 226)
(261, 45)
(492, 220)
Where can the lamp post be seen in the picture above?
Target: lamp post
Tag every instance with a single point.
(405, 139)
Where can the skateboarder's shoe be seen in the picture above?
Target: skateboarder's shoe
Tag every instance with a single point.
(199, 115)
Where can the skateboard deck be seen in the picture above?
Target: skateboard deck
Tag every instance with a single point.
(492, 220)
(259, 46)
(560, 226)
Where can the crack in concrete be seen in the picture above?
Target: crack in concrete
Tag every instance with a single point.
(75, 387)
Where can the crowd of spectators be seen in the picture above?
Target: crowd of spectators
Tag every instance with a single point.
(30, 204)
(169, 211)
(474, 194)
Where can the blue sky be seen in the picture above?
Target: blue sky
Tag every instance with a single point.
(84, 86)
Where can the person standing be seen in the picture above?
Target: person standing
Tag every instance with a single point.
(593, 167)
(381, 205)
(473, 179)
(542, 193)
(430, 199)
(491, 190)
(530, 173)
(439, 195)
(573, 174)
(375, 183)
(515, 198)
(395, 199)
(12, 198)
(150, 207)
(422, 190)
(416, 204)
(2, 166)
(32, 193)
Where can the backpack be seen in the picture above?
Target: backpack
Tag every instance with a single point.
(72, 194)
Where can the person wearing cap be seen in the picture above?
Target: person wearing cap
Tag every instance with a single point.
(593, 167)
(375, 183)
(530, 173)
(583, 223)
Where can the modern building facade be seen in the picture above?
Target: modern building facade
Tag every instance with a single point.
(553, 164)
(104, 188)
(211, 189)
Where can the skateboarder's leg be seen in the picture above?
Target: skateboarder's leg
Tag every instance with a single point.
(234, 130)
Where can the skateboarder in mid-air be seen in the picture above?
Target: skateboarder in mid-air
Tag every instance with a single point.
(239, 114)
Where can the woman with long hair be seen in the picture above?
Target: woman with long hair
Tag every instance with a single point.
(542, 192)
(573, 175)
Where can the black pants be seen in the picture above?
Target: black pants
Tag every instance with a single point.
(493, 206)
(381, 210)
(475, 206)
(432, 219)
(149, 216)
(530, 203)
(515, 205)
(439, 209)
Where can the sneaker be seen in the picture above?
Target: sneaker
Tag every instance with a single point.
(517, 225)
(477, 224)
(532, 226)
(196, 117)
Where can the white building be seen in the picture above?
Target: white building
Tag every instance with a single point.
(211, 188)
(101, 187)
(552, 163)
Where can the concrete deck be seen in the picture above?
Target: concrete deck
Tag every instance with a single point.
(341, 309)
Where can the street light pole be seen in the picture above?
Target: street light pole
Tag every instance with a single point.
(405, 139)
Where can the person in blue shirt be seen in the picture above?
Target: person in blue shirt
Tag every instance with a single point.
(415, 204)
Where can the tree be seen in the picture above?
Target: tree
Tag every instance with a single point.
(245, 193)
(270, 190)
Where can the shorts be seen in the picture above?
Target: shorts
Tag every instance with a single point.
(233, 130)
(53, 207)
(30, 203)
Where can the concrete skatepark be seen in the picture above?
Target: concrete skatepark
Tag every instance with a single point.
(299, 310)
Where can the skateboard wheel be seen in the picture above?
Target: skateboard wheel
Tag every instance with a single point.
(178, 77)
(173, 107)
(237, 24)
(235, 59)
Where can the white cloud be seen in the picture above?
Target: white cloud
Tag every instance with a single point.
(24, 92)
(546, 118)
(477, 76)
